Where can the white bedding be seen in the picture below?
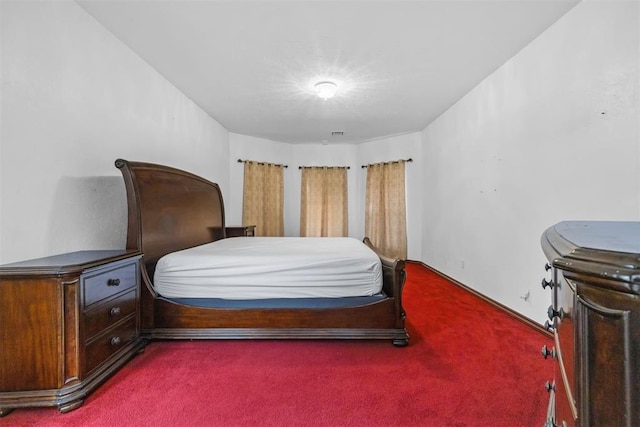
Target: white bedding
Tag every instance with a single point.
(271, 267)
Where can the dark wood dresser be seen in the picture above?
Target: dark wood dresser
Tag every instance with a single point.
(67, 322)
(594, 279)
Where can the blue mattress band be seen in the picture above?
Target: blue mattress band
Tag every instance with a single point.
(280, 302)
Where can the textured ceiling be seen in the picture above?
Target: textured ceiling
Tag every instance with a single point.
(398, 65)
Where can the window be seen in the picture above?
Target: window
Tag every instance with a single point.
(263, 198)
(323, 210)
(385, 220)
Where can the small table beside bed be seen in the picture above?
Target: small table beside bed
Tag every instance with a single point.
(199, 284)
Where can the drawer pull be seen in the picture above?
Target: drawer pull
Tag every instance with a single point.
(115, 311)
(115, 341)
(113, 282)
(547, 267)
(546, 352)
(551, 312)
(548, 326)
(546, 283)
(548, 386)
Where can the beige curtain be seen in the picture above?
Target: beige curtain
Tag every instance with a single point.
(385, 220)
(263, 198)
(323, 208)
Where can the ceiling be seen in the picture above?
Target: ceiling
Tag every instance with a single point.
(251, 65)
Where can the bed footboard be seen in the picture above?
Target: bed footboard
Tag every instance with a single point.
(393, 279)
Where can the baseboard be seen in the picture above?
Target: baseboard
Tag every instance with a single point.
(496, 304)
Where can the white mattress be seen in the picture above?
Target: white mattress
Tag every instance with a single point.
(271, 267)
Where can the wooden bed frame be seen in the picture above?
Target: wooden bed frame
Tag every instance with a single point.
(170, 209)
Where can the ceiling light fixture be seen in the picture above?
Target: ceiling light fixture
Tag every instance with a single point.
(326, 89)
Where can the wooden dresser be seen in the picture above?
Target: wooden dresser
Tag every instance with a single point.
(594, 278)
(67, 322)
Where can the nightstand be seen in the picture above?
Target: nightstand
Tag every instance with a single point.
(67, 322)
(240, 230)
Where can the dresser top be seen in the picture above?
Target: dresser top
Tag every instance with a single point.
(66, 263)
(604, 253)
(614, 236)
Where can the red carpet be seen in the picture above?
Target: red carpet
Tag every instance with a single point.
(468, 364)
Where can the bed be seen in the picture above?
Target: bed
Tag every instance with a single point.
(171, 211)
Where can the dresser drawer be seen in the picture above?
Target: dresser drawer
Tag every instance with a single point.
(109, 343)
(105, 283)
(104, 315)
(565, 332)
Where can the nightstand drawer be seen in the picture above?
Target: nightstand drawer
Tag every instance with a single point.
(110, 343)
(240, 231)
(105, 315)
(104, 284)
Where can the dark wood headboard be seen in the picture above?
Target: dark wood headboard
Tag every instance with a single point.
(169, 210)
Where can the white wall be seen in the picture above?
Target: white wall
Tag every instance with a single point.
(75, 98)
(552, 135)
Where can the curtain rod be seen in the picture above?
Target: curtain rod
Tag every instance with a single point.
(328, 167)
(262, 163)
(409, 160)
